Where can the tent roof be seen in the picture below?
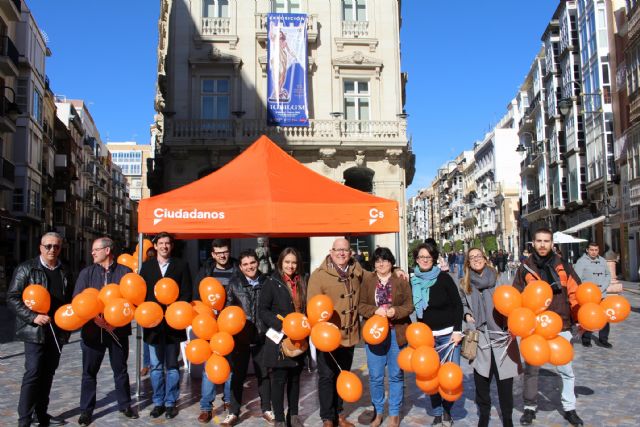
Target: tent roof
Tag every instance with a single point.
(266, 192)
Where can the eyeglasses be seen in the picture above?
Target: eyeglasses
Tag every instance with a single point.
(424, 258)
(50, 246)
(476, 258)
(97, 249)
(221, 253)
(341, 250)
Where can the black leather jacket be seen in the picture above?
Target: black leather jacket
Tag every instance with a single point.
(247, 297)
(29, 272)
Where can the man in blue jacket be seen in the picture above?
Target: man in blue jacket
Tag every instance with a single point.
(98, 335)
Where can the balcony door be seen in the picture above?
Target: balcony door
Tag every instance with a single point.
(215, 8)
(354, 10)
(215, 105)
(356, 106)
(286, 6)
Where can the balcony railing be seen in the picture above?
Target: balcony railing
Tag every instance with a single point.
(8, 49)
(355, 29)
(8, 170)
(216, 26)
(261, 27)
(318, 130)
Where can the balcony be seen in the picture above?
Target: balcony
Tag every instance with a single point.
(9, 112)
(11, 8)
(7, 174)
(355, 29)
(261, 27)
(9, 57)
(216, 26)
(319, 132)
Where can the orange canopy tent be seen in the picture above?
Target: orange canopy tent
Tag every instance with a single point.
(266, 192)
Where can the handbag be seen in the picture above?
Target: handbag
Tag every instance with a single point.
(615, 288)
(469, 345)
(291, 348)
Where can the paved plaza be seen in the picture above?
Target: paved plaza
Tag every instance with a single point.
(607, 387)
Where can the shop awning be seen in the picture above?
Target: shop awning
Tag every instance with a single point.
(585, 224)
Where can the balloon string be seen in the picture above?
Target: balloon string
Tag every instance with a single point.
(334, 359)
(506, 347)
(54, 337)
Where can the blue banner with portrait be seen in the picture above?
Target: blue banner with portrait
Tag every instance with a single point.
(287, 70)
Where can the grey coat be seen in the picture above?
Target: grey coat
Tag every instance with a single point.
(594, 270)
(511, 365)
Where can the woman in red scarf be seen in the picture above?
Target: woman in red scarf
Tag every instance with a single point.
(285, 292)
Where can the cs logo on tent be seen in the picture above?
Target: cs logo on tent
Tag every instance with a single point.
(374, 215)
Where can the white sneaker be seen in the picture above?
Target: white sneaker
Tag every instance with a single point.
(229, 421)
(269, 417)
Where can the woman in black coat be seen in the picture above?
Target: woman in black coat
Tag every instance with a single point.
(285, 292)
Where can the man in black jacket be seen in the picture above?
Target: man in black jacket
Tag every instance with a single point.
(244, 291)
(98, 335)
(40, 350)
(163, 340)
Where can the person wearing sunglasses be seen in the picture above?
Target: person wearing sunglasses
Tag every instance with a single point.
(41, 351)
(477, 288)
(438, 305)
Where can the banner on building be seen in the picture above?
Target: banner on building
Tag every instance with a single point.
(287, 70)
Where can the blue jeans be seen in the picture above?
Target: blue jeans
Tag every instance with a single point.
(146, 358)
(164, 356)
(438, 404)
(460, 271)
(379, 356)
(208, 391)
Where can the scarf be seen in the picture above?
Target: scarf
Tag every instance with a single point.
(292, 282)
(383, 293)
(482, 286)
(421, 282)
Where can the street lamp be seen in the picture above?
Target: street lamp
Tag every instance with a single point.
(565, 106)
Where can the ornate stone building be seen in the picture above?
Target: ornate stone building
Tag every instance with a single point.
(211, 98)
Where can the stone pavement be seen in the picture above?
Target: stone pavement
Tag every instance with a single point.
(607, 388)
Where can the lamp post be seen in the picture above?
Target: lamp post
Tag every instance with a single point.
(565, 106)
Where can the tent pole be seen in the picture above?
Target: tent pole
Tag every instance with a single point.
(138, 328)
(398, 247)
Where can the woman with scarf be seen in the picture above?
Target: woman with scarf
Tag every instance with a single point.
(285, 292)
(437, 303)
(387, 295)
(497, 355)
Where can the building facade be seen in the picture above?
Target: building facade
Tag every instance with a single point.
(133, 159)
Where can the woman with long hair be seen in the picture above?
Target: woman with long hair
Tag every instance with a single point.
(437, 303)
(285, 292)
(497, 354)
(387, 295)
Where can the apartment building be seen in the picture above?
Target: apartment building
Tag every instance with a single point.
(133, 159)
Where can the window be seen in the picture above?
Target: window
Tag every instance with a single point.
(18, 200)
(36, 111)
(356, 100)
(215, 99)
(215, 8)
(354, 10)
(286, 6)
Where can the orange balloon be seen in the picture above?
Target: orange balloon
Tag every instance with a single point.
(222, 343)
(133, 287)
(204, 326)
(217, 369)
(537, 296)
(450, 377)
(109, 292)
(325, 336)
(91, 291)
(404, 359)
(87, 305)
(616, 308)
(506, 298)
(419, 334)
(67, 319)
(198, 351)
(522, 322)
(375, 329)
(201, 308)
(37, 298)
(118, 312)
(560, 351)
(349, 386)
(425, 361)
(535, 350)
(450, 397)
(212, 293)
(179, 315)
(592, 317)
(296, 326)
(231, 319)
(428, 385)
(319, 309)
(149, 314)
(166, 290)
(588, 292)
(548, 324)
(146, 245)
(126, 260)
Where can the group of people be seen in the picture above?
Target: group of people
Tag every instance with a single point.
(356, 293)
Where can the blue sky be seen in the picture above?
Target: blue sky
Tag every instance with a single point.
(465, 59)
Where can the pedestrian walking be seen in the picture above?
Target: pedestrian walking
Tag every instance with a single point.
(437, 303)
(98, 336)
(43, 340)
(544, 264)
(389, 296)
(497, 355)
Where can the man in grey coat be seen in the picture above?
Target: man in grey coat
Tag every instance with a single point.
(591, 267)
